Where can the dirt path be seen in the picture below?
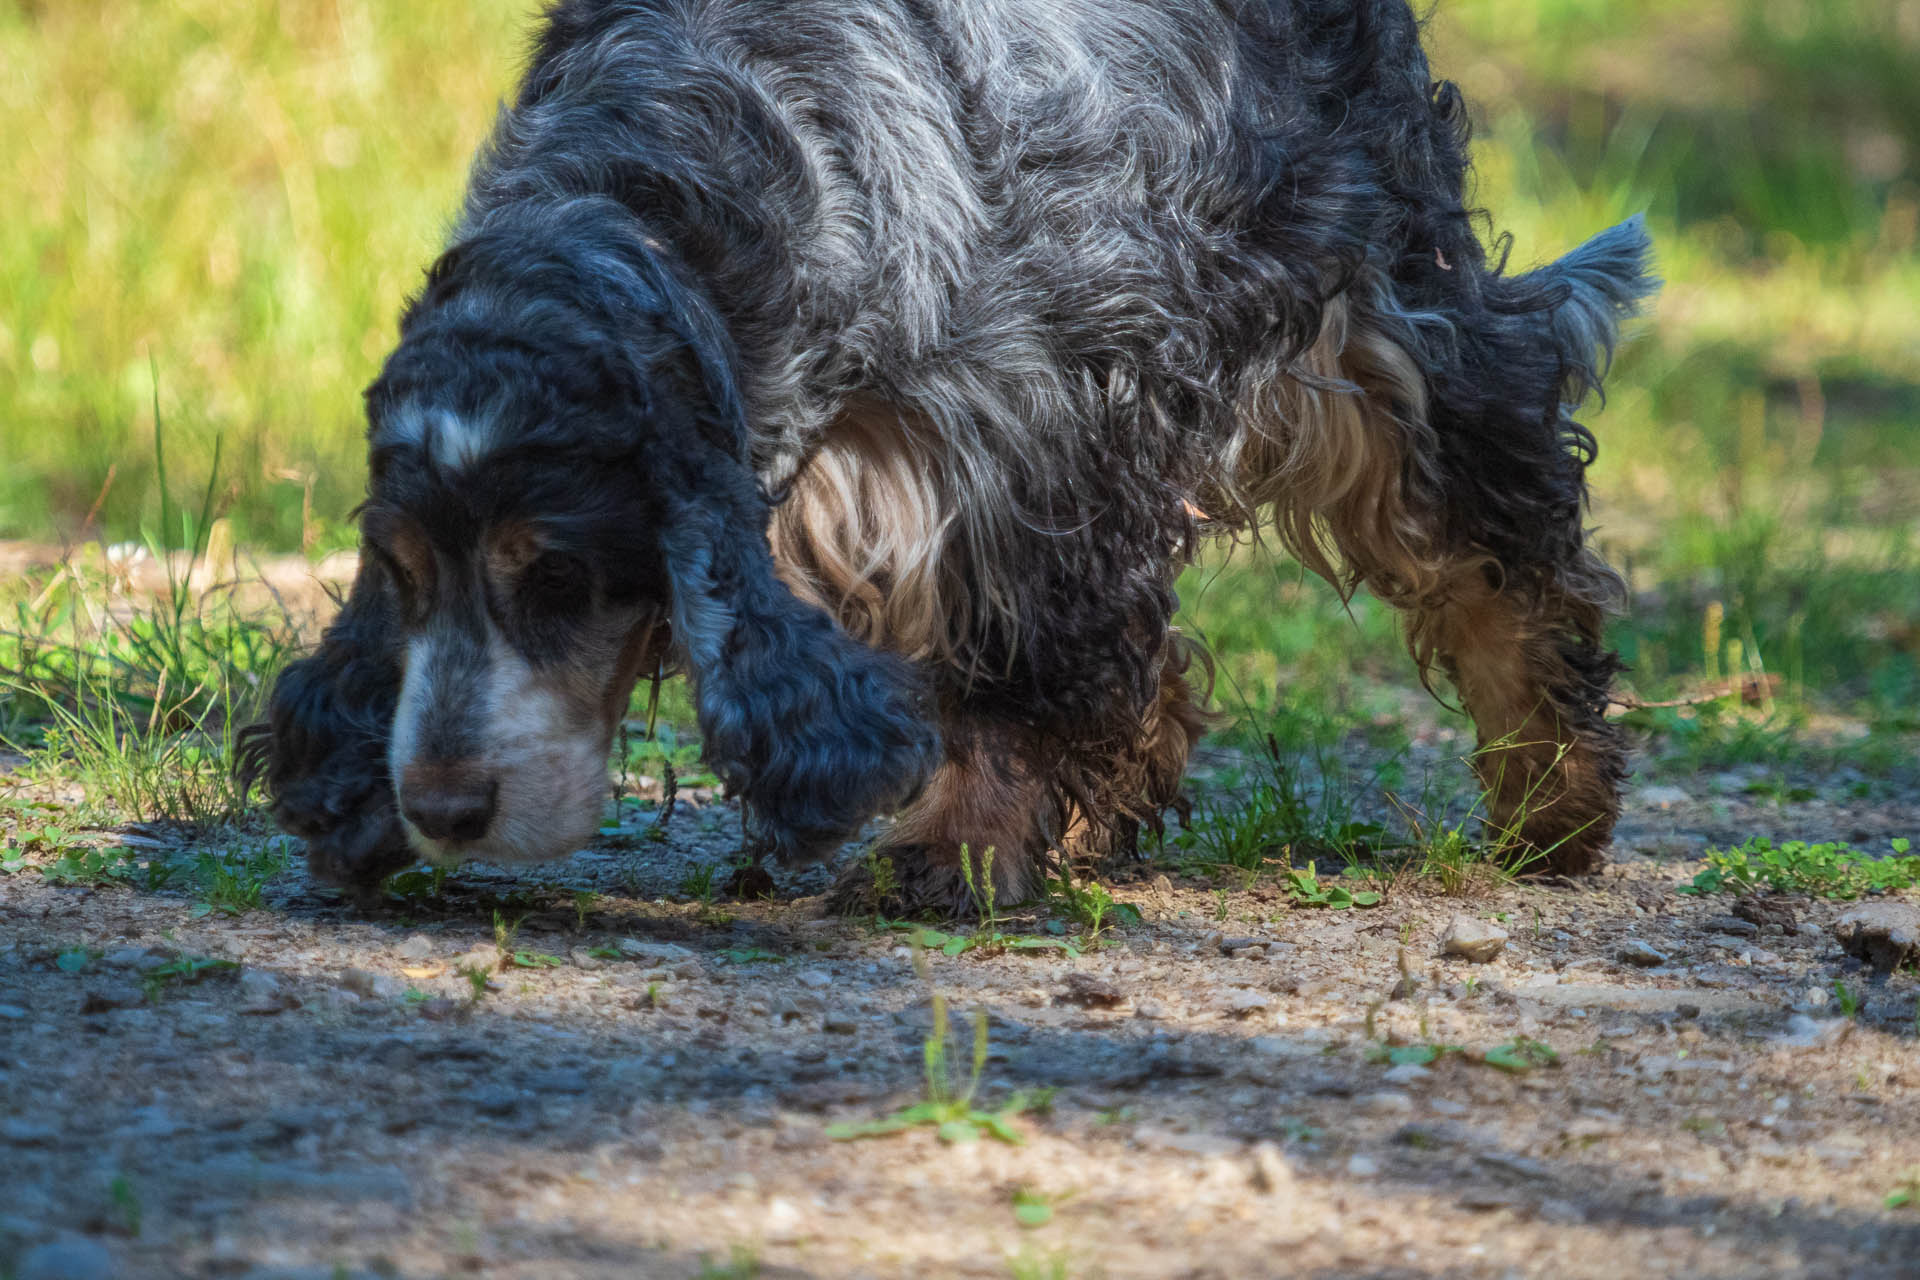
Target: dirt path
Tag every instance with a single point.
(339, 1104)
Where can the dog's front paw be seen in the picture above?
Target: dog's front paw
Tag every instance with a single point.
(360, 853)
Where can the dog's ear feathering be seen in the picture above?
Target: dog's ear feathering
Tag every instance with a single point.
(322, 752)
(813, 729)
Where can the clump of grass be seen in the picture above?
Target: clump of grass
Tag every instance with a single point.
(700, 884)
(1090, 905)
(417, 885)
(125, 1199)
(948, 1108)
(142, 707)
(230, 881)
(1829, 869)
(477, 980)
(1305, 887)
(86, 866)
(1279, 819)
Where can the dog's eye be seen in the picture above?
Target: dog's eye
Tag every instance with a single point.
(557, 579)
(402, 581)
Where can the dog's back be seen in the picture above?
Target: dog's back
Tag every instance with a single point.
(1022, 218)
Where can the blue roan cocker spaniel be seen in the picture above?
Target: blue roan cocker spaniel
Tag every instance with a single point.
(879, 362)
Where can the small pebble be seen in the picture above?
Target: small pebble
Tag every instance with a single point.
(1473, 939)
(1639, 954)
(663, 953)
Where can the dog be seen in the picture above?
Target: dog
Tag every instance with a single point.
(879, 363)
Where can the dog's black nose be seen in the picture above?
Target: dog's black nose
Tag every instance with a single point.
(447, 805)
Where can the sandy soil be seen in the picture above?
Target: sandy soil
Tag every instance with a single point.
(339, 1104)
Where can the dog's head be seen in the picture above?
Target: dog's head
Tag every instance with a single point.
(552, 519)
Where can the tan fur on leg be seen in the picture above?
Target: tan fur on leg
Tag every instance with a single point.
(1551, 781)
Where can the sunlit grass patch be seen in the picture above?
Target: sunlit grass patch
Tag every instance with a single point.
(141, 701)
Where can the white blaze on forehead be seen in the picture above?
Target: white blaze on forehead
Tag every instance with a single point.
(451, 439)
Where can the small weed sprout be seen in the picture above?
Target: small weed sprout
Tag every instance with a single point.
(981, 888)
(1031, 1208)
(1090, 905)
(948, 1108)
(1305, 888)
(504, 933)
(126, 1203)
(1906, 1192)
(84, 866)
(698, 884)
(1847, 998)
(477, 979)
(1028, 1265)
(418, 884)
(881, 874)
(988, 937)
(183, 971)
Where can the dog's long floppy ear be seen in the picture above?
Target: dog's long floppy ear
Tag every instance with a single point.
(323, 750)
(817, 731)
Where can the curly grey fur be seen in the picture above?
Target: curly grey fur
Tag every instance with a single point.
(1069, 239)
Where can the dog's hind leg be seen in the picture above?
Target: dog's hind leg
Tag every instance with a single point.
(1450, 481)
(1528, 662)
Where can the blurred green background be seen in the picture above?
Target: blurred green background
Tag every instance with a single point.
(239, 195)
